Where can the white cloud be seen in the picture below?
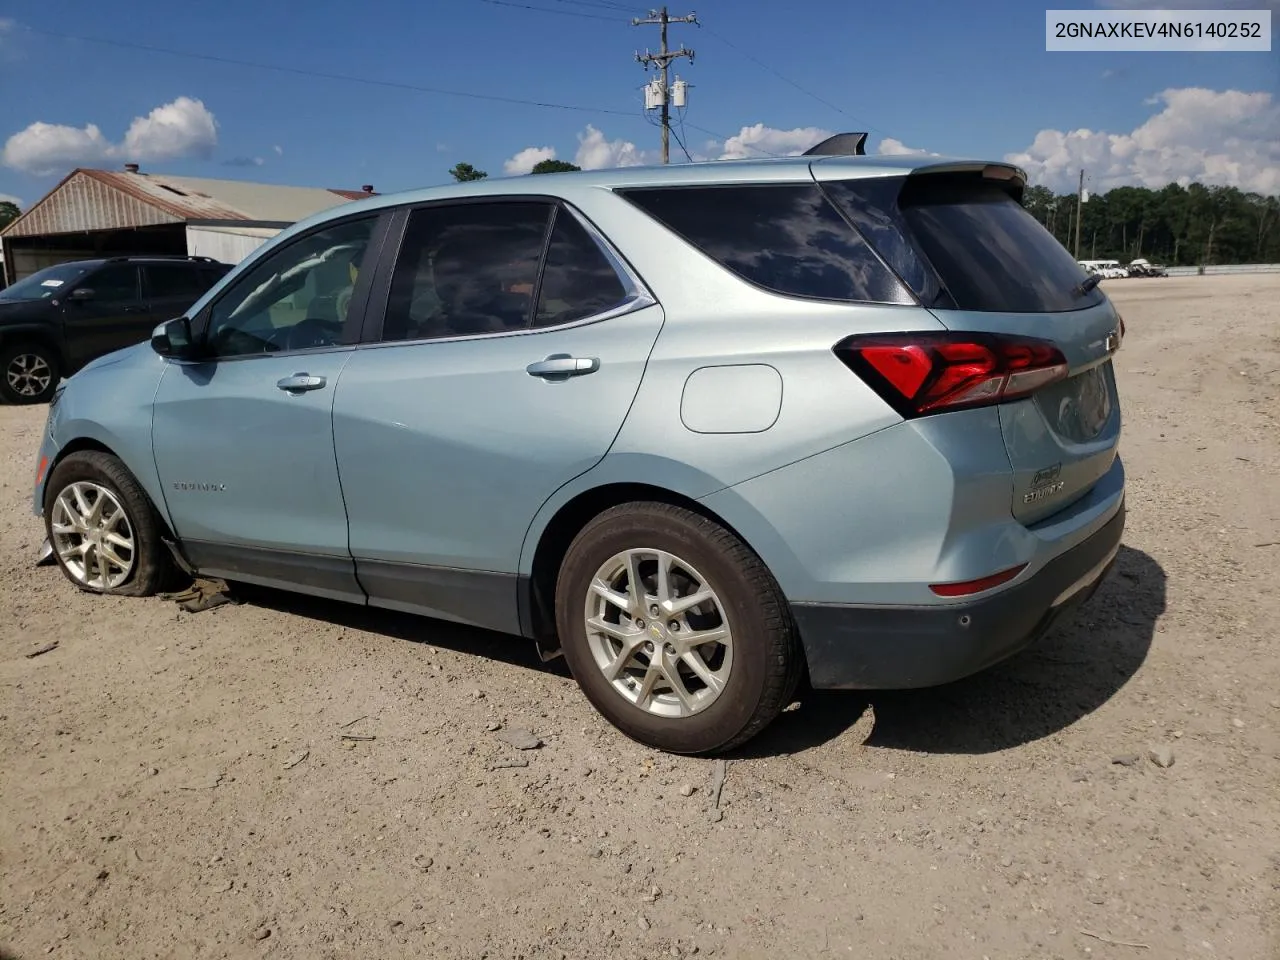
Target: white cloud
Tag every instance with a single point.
(1226, 137)
(183, 128)
(10, 198)
(244, 162)
(761, 141)
(524, 161)
(889, 147)
(597, 153)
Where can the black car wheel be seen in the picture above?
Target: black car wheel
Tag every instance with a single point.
(28, 373)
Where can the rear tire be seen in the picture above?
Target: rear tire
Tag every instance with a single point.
(29, 373)
(106, 535)
(686, 678)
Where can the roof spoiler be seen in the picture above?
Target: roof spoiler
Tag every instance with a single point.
(841, 145)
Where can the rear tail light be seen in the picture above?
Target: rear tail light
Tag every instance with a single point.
(920, 373)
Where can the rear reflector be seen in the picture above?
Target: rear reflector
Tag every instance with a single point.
(920, 373)
(44, 465)
(969, 587)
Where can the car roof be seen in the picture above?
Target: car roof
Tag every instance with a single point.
(708, 172)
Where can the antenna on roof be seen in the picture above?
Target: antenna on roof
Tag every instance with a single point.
(841, 145)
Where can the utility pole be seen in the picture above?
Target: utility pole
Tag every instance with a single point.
(661, 96)
(1079, 206)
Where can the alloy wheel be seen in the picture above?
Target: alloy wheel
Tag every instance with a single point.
(658, 632)
(92, 535)
(29, 374)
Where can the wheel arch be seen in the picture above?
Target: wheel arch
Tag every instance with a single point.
(536, 600)
(84, 442)
(44, 336)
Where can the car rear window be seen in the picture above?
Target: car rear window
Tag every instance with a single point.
(963, 242)
(786, 238)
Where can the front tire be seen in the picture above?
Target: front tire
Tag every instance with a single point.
(674, 629)
(29, 373)
(105, 533)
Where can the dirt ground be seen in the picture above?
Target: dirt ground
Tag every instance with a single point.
(175, 785)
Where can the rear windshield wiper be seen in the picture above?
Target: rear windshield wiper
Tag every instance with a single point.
(1087, 284)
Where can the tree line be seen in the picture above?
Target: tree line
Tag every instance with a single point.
(1175, 225)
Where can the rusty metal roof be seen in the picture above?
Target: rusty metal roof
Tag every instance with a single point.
(90, 200)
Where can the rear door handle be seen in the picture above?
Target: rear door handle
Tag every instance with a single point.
(561, 366)
(300, 383)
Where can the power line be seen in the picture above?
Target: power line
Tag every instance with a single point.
(322, 75)
(682, 146)
(598, 5)
(560, 13)
(787, 80)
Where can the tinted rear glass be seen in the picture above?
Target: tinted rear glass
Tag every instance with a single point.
(578, 281)
(787, 238)
(175, 280)
(964, 242)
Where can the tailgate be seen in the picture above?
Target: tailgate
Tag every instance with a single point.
(1062, 439)
(958, 235)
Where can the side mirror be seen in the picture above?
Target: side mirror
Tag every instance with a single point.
(81, 293)
(173, 339)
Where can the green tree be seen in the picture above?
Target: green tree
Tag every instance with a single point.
(9, 212)
(465, 173)
(554, 166)
(1176, 225)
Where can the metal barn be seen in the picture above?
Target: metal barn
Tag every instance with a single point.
(95, 213)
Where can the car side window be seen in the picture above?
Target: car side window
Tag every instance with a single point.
(114, 282)
(578, 280)
(294, 299)
(173, 281)
(467, 269)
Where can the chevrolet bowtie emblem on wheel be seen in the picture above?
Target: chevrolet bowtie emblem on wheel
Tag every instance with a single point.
(655, 631)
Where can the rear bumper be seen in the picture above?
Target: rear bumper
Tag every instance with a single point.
(866, 647)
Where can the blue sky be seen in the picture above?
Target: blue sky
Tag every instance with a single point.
(936, 76)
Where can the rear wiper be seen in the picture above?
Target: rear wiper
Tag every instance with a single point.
(1087, 284)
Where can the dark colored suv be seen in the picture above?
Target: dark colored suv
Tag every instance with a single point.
(55, 321)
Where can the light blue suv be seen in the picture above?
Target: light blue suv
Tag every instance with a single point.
(705, 430)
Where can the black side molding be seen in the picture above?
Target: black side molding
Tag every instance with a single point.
(841, 145)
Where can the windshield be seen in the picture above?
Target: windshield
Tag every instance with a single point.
(47, 283)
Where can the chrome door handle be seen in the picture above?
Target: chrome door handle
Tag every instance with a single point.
(300, 383)
(561, 366)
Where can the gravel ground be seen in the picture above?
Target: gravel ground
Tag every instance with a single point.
(176, 785)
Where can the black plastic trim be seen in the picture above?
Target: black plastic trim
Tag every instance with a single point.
(888, 648)
(321, 576)
(480, 598)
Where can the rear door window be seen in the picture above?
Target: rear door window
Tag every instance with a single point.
(786, 238)
(174, 281)
(467, 269)
(115, 282)
(578, 280)
(964, 242)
